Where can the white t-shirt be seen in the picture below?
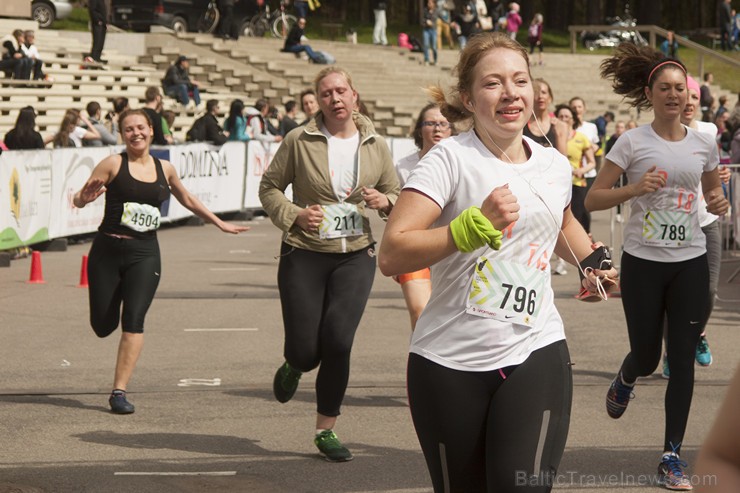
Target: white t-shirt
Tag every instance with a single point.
(404, 167)
(705, 217)
(77, 135)
(591, 131)
(682, 163)
(460, 172)
(343, 158)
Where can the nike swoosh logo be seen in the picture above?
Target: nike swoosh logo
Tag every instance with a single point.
(693, 323)
(509, 316)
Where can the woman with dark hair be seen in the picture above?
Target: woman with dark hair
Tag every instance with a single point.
(124, 264)
(489, 374)
(71, 133)
(24, 134)
(236, 123)
(430, 128)
(664, 264)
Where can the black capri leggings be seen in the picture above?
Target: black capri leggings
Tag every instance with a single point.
(323, 297)
(121, 271)
(499, 431)
(679, 290)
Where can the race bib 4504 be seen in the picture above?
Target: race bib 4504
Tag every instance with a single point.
(140, 217)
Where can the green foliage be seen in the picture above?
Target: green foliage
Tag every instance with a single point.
(78, 20)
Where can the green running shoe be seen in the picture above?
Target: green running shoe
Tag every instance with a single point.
(330, 446)
(285, 383)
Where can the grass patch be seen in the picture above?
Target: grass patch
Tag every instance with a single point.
(78, 20)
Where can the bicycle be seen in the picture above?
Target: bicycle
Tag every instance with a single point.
(278, 23)
(209, 20)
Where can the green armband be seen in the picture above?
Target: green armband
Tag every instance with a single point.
(472, 230)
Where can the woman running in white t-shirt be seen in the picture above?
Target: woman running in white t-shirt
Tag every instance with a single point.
(431, 127)
(489, 377)
(664, 266)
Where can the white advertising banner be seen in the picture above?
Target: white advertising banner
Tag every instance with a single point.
(215, 175)
(259, 157)
(71, 168)
(25, 196)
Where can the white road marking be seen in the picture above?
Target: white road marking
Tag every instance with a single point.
(194, 473)
(239, 251)
(222, 269)
(208, 382)
(224, 329)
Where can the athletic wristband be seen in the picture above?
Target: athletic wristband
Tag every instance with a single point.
(472, 230)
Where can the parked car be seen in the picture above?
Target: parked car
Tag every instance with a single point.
(47, 11)
(178, 15)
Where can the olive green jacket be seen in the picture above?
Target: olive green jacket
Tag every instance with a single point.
(302, 161)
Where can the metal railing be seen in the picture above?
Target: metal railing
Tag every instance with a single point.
(653, 33)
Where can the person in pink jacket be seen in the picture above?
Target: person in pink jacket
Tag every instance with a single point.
(513, 20)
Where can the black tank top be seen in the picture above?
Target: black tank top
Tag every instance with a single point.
(125, 188)
(540, 139)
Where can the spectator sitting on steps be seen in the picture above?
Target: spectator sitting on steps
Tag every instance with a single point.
(256, 122)
(14, 62)
(293, 43)
(177, 82)
(29, 49)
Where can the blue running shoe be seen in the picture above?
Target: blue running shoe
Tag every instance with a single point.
(618, 397)
(671, 475)
(666, 371)
(703, 354)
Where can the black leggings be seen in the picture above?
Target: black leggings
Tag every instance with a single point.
(121, 271)
(323, 297)
(578, 206)
(497, 431)
(679, 290)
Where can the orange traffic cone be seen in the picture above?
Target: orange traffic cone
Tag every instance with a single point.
(83, 273)
(37, 276)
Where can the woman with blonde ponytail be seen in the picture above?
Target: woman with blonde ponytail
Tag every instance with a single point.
(489, 378)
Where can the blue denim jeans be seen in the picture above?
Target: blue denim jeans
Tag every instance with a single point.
(180, 92)
(299, 48)
(430, 43)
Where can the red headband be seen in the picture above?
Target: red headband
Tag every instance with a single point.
(664, 63)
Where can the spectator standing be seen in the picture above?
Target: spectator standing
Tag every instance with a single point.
(735, 29)
(706, 98)
(178, 84)
(379, 35)
(287, 122)
(152, 107)
(13, 59)
(236, 124)
(513, 20)
(444, 18)
(226, 24)
(578, 105)
(497, 13)
(619, 128)
(669, 46)
(465, 24)
(301, 8)
(601, 123)
(309, 104)
(30, 50)
(429, 32)
(106, 138)
(725, 17)
(24, 134)
(294, 43)
(534, 35)
(211, 131)
(72, 132)
(98, 12)
(257, 122)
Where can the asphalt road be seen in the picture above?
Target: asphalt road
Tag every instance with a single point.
(205, 417)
